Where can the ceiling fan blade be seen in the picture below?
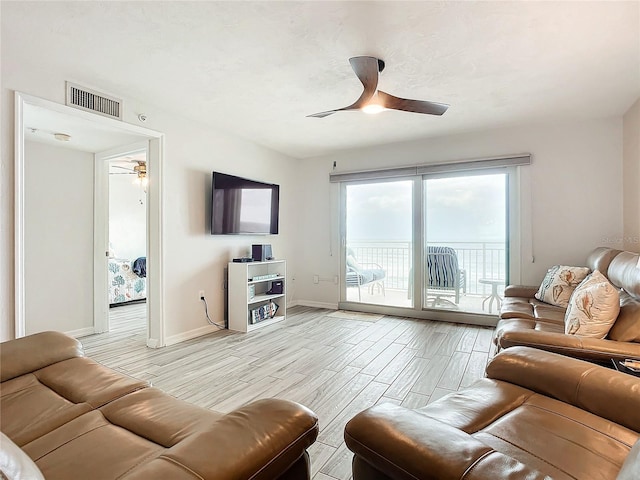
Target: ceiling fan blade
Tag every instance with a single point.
(366, 69)
(416, 106)
(323, 114)
(123, 168)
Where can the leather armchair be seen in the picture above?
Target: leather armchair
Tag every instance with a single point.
(78, 419)
(537, 415)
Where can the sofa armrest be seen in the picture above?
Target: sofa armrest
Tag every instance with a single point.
(525, 291)
(259, 441)
(406, 444)
(590, 349)
(572, 381)
(31, 353)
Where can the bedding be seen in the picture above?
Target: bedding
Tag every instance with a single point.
(124, 284)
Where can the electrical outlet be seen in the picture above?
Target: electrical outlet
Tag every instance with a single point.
(200, 294)
(336, 279)
(316, 279)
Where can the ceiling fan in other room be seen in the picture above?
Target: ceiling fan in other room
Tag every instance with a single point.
(372, 100)
(140, 169)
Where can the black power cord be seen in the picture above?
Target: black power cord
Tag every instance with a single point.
(206, 312)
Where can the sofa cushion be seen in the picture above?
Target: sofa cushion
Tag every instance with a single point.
(56, 394)
(15, 464)
(559, 283)
(593, 307)
(27, 354)
(517, 307)
(600, 259)
(624, 273)
(627, 326)
(113, 450)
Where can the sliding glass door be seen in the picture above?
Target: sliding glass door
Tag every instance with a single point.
(379, 243)
(427, 243)
(465, 242)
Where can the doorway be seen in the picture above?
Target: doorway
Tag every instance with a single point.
(35, 116)
(127, 237)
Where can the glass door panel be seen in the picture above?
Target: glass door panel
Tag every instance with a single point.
(379, 245)
(465, 242)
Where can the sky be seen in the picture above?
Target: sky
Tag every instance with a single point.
(458, 209)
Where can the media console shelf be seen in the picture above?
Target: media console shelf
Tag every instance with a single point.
(248, 286)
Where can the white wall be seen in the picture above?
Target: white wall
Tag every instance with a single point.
(573, 194)
(58, 239)
(631, 175)
(127, 217)
(194, 259)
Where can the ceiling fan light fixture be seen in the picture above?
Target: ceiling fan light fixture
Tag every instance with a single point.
(373, 108)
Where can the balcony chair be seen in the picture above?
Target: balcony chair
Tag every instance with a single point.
(360, 274)
(443, 275)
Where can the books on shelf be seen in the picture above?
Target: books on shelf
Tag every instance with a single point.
(264, 277)
(263, 312)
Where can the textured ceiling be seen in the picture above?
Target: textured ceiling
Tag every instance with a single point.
(256, 69)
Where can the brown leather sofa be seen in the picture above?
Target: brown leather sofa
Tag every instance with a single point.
(524, 320)
(537, 415)
(80, 420)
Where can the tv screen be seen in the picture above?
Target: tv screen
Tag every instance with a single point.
(243, 206)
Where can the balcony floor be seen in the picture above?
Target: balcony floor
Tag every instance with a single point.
(470, 303)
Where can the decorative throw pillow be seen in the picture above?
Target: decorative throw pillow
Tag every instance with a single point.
(559, 283)
(15, 464)
(593, 307)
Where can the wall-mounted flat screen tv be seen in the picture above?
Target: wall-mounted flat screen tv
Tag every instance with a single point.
(242, 206)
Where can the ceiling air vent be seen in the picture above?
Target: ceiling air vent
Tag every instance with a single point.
(92, 101)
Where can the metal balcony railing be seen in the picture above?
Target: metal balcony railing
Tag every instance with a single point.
(478, 259)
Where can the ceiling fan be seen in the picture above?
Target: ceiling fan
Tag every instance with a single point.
(372, 100)
(140, 169)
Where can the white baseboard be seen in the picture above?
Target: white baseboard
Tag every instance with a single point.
(182, 337)
(311, 303)
(153, 343)
(81, 332)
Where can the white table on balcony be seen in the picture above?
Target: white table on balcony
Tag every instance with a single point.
(494, 282)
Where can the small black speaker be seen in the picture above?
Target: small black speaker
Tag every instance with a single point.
(260, 253)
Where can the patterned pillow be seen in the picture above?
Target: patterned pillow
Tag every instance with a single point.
(593, 307)
(559, 283)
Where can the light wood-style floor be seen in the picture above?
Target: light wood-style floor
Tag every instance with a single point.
(335, 363)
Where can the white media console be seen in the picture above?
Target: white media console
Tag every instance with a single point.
(248, 286)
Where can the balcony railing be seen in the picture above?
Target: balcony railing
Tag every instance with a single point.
(478, 259)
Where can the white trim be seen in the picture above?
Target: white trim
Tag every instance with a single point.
(184, 336)
(155, 243)
(124, 150)
(311, 303)
(155, 207)
(100, 243)
(19, 284)
(81, 332)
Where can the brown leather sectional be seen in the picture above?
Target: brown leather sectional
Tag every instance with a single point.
(537, 415)
(524, 320)
(80, 420)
